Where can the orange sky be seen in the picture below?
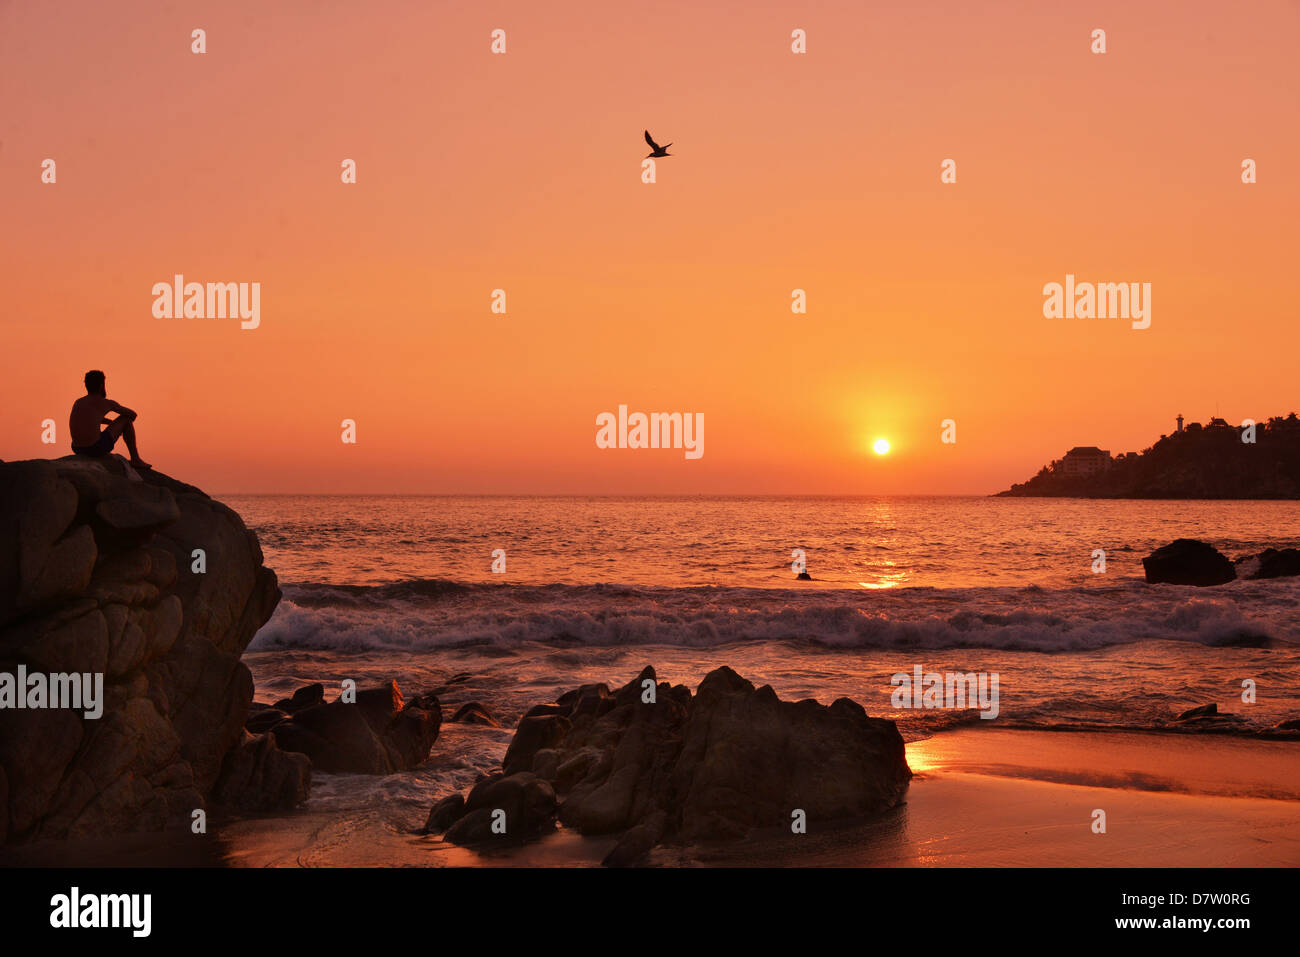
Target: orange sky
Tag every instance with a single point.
(522, 172)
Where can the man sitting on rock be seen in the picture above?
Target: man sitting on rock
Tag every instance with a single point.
(88, 414)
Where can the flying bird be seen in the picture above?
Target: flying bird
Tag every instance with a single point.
(658, 150)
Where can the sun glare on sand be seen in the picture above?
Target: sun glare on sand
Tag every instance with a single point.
(880, 446)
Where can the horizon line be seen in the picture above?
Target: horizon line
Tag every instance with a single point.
(620, 494)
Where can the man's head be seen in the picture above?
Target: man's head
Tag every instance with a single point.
(94, 382)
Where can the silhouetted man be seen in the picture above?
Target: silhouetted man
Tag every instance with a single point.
(88, 414)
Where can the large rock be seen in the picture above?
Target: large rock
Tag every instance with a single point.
(97, 577)
(305, 697)
(262, 720)
(1187, 561)
(378, 733)
(652, 762)
(445, 813)
(258, 777)
(1270, 563)
(535, 733)
(503, 808)
(748, 759)
(637, 842)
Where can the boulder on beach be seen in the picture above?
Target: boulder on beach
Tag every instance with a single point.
(473, 712)
(158, 588)
(305, 697)
(378, 733)
(508, 808)
(263, 719)
(653, 763)
(257, 777)
(1187, 561)
(444, 813)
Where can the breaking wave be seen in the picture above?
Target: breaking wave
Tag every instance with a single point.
(436, 613)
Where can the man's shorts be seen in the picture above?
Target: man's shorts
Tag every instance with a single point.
(102, 446)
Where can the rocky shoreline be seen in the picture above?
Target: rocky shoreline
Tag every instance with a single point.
(1211, 461)
(653, 763)
(1189, 561)
(154, 589)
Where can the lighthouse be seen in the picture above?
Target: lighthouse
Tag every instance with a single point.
(1180, 423)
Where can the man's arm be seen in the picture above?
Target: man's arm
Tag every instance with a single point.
(120, 410)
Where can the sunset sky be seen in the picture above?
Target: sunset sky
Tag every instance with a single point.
(522, 172)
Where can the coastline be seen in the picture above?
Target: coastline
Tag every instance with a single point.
(1113, 659)
(1032, 807)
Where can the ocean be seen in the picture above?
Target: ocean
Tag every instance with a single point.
(406, 583)
(594, 589)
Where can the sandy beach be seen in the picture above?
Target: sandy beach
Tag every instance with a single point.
(980, 798)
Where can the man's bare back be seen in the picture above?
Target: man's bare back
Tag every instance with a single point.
(90, 412)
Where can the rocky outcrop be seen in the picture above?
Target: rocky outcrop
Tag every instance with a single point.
(153, 585)
(305, 697)
(511, 807)
(1207, 718)
(258, 777)
(1187, 561)
(473, 712)
(1270, 563)
(652, 763)
(1211, 461)
(444, 813)
(378, 733)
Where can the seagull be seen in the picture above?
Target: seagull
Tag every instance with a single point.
(658, 150)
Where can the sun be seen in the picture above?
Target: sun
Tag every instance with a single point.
(880, 446)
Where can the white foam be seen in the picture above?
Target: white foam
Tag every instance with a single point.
(1011, 618)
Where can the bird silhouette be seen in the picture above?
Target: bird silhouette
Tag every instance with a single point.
(658, 150)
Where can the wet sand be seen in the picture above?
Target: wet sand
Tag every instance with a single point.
(980, 798)
(1001, 798)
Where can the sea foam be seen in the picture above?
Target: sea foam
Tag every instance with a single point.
(430, 614)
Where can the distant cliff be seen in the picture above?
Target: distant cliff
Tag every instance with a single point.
(1209, 461)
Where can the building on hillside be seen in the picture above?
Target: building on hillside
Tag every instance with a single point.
(1085, 460)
